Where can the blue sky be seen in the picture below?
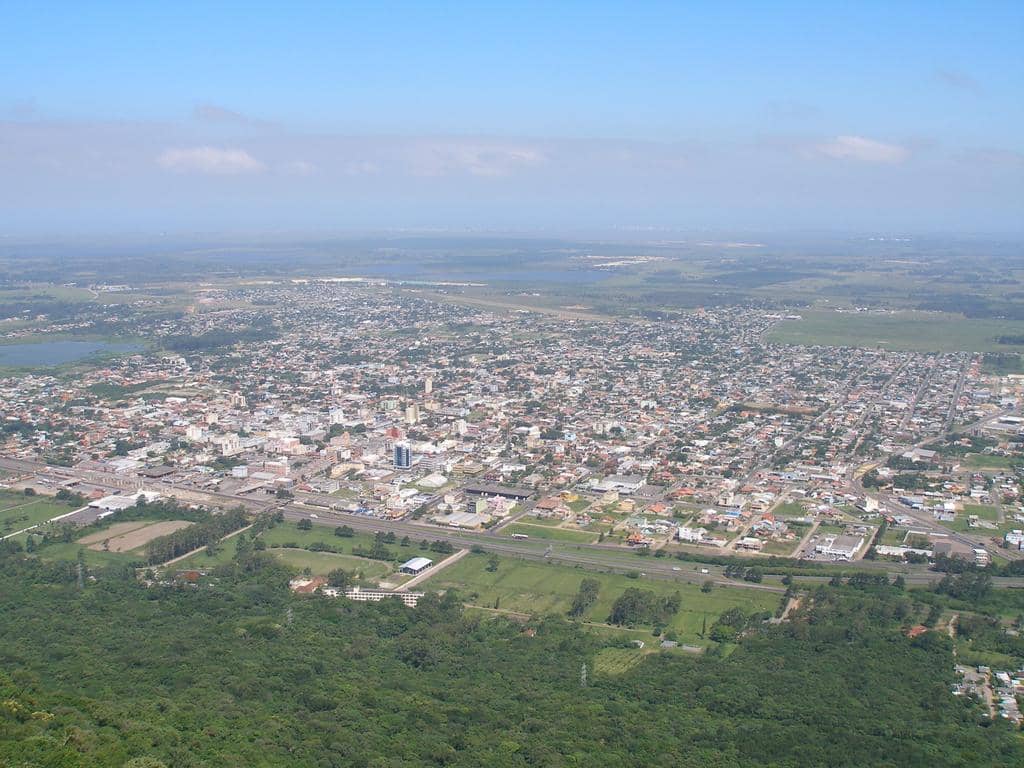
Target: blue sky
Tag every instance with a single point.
(320, 116)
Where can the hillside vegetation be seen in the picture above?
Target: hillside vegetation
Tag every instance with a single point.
(238, 672)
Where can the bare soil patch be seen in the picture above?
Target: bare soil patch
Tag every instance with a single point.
(139, 537)
(117, 529)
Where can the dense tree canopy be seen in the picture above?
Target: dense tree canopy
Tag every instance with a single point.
(238, 672)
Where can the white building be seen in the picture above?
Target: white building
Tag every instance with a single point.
(839, 547)
(684, 533)
(416, 565)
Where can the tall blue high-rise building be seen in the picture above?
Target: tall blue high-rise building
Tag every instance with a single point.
(403, 456)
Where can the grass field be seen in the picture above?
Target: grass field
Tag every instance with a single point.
(322, 563)
(781, 548)
(18, 511)
(616, 661)
(288, 533)
(71, 550)
(988, 461)
(984, 512)
(894, 537)
(966, 654)
(540, 588)
(555, 534)
(546, 521)
(909, 330)
(790, 509)
(222, 555)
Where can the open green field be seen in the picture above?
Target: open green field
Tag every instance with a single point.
(616, 661)
(540, 588)
(546, 521)
(555, 534)
(202, 559)
(781, 548)
(18, 511)
(983, 511)
(322, 563)
(967, 654)
(70, 551)
(289, 533)
(907, 330)
(46, 291)
(790, 509)
(988, 461)
(894, 537)
(287, 538)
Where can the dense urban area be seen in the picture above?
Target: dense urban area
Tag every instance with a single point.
(328, 474)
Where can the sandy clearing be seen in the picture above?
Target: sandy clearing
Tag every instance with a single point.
(141, 536)
(117, 529)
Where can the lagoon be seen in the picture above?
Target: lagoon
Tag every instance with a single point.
(51, 353)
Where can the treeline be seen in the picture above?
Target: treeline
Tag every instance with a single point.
(378, 550)
(217, 338)
(585, 597)
(643, 606)
(195, 536)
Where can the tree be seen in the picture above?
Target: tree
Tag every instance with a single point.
(344, 531)
(338, 578)
(493, 563)
(754, 575)
(642, 606)
(585, 597)
(305, 524)
(707, 586)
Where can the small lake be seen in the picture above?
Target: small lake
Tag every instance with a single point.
(49, 353)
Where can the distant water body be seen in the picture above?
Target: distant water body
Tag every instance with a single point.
(525, 275)
(48, 353)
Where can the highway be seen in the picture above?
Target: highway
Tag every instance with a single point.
(604, 557)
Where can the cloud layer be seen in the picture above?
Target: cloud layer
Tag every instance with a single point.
(213, 174)
(210, 160)
(863, 150)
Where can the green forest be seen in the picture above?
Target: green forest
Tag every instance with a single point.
(236, 671)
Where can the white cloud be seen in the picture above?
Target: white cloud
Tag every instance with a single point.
(212, 160)
(360, 168)
(863, 150)
(215, 114)
(476, 159)
(297, 168)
